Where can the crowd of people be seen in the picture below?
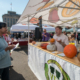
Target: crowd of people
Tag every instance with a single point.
(71, 36)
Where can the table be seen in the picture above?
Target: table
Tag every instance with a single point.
(49, 66)
(22, 43)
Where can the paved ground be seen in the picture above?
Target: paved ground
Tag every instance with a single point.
(21, 71)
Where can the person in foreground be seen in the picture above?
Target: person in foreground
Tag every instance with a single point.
(45, 36)
(5, 60)
(61, 40)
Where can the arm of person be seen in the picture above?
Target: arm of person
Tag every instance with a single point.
(9, 39)
(63, 44)
(3, 53)
(9, 47)
(45, 35)
(48, 36)
(66, 42)
(42, 34)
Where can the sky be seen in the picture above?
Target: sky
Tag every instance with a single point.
(17, 5)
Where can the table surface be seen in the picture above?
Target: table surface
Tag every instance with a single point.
(21, 40)
(74, 60)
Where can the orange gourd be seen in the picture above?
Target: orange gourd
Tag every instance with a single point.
(52, 40)
(33, 42)
(44, 45)
(70, 51)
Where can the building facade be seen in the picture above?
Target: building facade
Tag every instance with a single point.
(10, 18)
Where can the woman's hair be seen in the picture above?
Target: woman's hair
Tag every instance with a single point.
(2, 24)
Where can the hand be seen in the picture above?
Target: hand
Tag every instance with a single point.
(12, 46)
(56, 39)
(60, 41)
(12, 39)
(45, 35)
(42, 34)
(9, 47)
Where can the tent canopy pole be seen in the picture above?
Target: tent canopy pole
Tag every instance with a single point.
(68, 7)
(76, 34)
(74, 3)
(28, 29)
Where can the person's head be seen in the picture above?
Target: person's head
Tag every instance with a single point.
(44, 31)
(6, 34)
(58, 30)
(3, 28)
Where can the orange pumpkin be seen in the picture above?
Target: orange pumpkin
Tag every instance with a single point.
(44, 45)
(70, 51)
(33, 42)
(52, 40)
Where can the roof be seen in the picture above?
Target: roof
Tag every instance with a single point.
(12, 13)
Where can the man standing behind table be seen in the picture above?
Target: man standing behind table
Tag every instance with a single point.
(45, 36)
(61, 40)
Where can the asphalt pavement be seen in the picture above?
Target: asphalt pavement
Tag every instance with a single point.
(21, 70)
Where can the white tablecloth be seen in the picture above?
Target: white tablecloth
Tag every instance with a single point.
(48, 67)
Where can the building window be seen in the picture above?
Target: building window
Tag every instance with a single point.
(13, 21)
(4, 19)
(8, 24)
(8, 19)
(16, 20)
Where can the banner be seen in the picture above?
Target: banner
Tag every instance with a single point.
(48, 67)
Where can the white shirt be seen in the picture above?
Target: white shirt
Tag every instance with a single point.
(63, 38)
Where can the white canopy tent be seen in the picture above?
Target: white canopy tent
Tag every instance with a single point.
(20, 27)
(78, 30)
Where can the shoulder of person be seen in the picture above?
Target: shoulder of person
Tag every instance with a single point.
(63, 35)
(43, 33)
(54, 36)
(46, 33)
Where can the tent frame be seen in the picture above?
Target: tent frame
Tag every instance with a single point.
(28, 29)
(53, 7)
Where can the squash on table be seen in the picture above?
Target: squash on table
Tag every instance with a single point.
(51, 47)
(52, 41)
(33, 42)
(44, 45)
(70, 51)
(78, 56)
